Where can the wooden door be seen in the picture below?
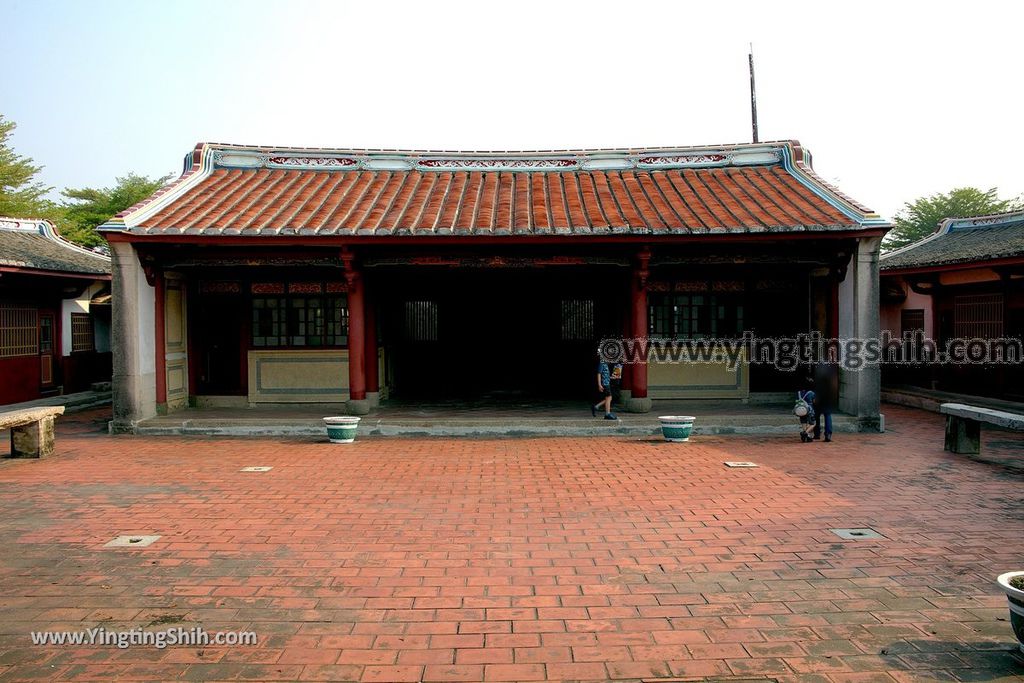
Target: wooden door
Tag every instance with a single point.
(47, 350)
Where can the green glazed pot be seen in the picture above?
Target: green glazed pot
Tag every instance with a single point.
(341, 429)
(676, 428)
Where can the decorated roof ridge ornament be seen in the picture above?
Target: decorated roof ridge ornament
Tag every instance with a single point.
(469, 164)
(311, 161)
(584, 160)
(973, 222)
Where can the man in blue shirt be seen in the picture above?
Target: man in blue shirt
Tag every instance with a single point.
(604, 389)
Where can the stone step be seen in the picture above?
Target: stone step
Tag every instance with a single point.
(479, 427)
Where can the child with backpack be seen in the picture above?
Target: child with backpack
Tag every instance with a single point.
(804, 410)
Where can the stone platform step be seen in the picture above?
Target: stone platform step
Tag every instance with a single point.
(628, 425)
(82, 400)
(928, 399)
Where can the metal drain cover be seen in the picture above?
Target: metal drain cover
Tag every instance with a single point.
(256, 469)
(856, 534)
(740, 463)
(133, 541)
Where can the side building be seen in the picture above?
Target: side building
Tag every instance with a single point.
(964, 282)
(55, 313)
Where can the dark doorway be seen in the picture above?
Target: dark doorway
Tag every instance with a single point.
(219, 328)
(516, 334)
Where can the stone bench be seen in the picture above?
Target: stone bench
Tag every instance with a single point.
(963, 425)
(31, 430)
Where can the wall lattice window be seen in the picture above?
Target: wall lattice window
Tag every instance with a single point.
(978, 316)
(577, 319)
(82, 337)
(19, 331)
(421, 321)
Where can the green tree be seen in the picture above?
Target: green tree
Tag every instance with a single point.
(920, 218)
(87, 208)
(21, 194)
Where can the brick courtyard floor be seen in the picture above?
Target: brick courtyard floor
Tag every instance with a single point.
(517, 560)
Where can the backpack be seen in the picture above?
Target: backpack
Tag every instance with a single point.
(801, 408)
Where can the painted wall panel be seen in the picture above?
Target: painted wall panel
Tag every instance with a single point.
(298, 376)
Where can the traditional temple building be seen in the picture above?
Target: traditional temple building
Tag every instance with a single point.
(965, 281)
(54, 313)
(284, 275)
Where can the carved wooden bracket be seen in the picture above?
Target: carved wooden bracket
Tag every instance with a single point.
(149, 267)
(348, 261)
(643, 267)
(840, 265)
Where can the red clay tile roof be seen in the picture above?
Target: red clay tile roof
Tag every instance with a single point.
(232, 190)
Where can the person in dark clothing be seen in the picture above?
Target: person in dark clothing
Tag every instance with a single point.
(604, 390)
(826, 384)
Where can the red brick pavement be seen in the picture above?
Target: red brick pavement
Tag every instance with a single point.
(516, 560)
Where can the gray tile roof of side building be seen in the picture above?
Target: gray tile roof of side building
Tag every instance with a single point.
(34, 244)
(963, 241)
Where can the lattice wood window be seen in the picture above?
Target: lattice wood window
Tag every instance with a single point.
(691, 316)
(19, 331)
(82, 338)
(577, 319)
(299, 321)
(978, 316)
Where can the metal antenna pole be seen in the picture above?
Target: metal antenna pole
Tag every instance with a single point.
(753, 94)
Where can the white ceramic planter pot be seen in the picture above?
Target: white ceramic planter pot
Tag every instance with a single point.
(342, 429)
(1015, 596)
(676, 428)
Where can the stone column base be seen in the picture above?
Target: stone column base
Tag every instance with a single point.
(374, 398)
(637, 405)
(357, 406)
(121, 427)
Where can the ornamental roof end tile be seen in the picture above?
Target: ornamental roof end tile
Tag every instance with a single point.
(243, 190)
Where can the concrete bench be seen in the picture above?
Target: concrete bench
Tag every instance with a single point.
(31, 430)
(963, 425)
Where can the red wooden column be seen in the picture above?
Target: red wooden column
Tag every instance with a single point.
(372, 369)
(160, 345)
(356, 337)
(638, 317)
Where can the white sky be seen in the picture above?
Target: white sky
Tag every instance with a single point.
(895, 99)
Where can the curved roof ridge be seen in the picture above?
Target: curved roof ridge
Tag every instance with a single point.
(479, 152)
(985, 221)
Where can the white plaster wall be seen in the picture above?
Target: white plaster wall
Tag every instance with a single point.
(77, 305)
